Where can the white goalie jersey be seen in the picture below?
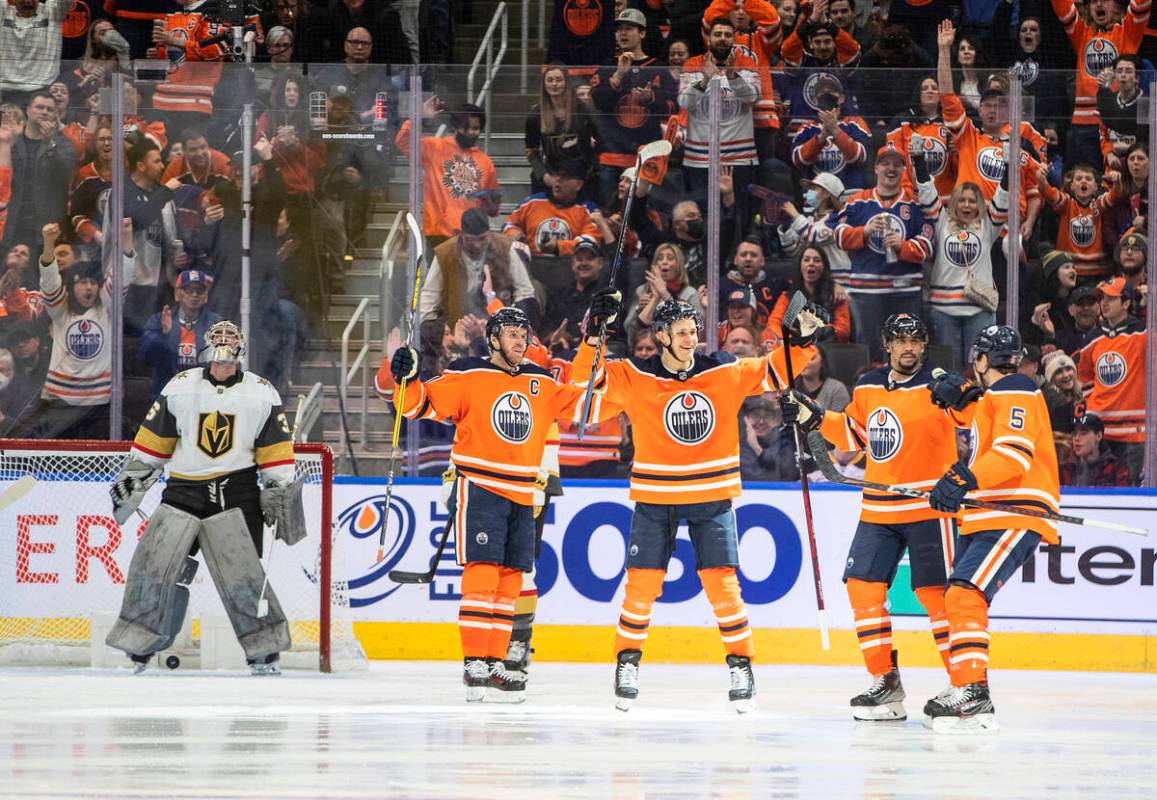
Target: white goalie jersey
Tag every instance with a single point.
(204, 429)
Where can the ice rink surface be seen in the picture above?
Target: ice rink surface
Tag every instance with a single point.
(402, 730)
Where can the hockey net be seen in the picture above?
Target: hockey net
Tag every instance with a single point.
(63, 560)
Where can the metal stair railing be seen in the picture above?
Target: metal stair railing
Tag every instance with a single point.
(348, 371)
(486, 52)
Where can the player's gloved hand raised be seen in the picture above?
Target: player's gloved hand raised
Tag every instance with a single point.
(799, 409)
(404, 364)
(811, 319)
(951, 390)
(605, 306)
(949, 491)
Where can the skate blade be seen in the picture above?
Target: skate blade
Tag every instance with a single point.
(475, 694)
(978, 724)
(499, 696)
(889, 712)
(745, 706)
(624, 703)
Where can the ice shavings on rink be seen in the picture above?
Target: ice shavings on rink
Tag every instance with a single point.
(403, 730)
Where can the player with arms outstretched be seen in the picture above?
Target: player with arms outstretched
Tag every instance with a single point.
(1013, 461)
(504, 407)
(908, 440)
(684, 412)
(215, 429)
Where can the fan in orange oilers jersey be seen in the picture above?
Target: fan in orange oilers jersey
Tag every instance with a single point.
(684, 410)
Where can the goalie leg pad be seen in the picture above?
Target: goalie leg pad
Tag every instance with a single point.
(154, 602)
(238, 575)
(282, 507)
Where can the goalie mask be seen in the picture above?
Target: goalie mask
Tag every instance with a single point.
(224, 344)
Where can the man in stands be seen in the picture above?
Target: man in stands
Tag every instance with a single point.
(1091, 462)
(554, 222)
(748, 272)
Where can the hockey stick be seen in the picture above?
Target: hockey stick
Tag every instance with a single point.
(819, 450)
(400, 576)
(798, 301)
(17, 491)
(657, 149)
(420, 262)
(262, 602)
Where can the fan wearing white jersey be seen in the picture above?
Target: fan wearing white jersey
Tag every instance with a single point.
(216, 429)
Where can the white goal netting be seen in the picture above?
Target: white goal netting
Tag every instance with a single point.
(63, 560)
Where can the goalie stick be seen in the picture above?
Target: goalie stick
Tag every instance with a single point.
(400, 576)
(819, 450)
(798, 301)
(648, 152)
(17, 491)
(420, 263)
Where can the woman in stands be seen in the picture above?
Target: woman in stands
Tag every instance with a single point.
(560, 128)
(666, 279)
(823, 202)
(813, 277)
(969, 69)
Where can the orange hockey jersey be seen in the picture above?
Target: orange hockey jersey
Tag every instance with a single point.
(939, 154)
(1097, 50)
(502, 420)
(601, 441)
(1014, 459)
(451, 177)
(194, 73)
(541, 220)
(1079, 232)
(908, 441)
(685, 426)
(763, 45)
(1111, 368)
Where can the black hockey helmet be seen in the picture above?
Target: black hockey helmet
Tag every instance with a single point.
(1001, 344)
(670, 311)
(904, 324)
(507, 317)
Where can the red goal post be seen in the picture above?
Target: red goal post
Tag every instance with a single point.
(49, 602)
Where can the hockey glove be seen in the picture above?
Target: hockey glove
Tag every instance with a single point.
(950, 390)
(949, 491)
(916, 156)
(604, 308)
(811, 319)
(799, 409)
(404, 364)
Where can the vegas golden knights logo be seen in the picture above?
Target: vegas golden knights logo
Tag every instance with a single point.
(215, 433)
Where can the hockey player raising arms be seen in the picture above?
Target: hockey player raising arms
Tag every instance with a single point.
(1013, 461)
(909, 441)
(215, 428)
(503, 407)
(684, 411)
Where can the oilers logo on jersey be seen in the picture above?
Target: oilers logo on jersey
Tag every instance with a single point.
(511, 417)
(84, 339)
(1111, 369)
(964, 248)
(809, 87)
(1082, 230)
(935, 153)
(876, 239)
(551, 230)
(885, 434)
(689, 417)
(215, 433)
(1099, 55)
(990, 163)
(830, 160)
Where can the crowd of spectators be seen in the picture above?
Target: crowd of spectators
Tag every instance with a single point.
(864, 161)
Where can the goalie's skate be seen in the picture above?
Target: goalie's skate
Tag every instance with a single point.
(476, 677)
(140, 664)
(506, 686)
(742, 692)
(261, 668)
(966, 709)
(884, 699)
(627, 679)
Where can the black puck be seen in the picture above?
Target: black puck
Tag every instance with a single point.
(172, 662)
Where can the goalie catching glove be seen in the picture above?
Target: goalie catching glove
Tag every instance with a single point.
(130, 487)
(799, 409)
(282, 508)
(949, 491)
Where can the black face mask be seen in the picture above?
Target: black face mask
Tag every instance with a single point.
(695, 228)
(464, 141)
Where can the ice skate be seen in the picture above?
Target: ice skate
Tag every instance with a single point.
(140, 664)
(884, 699)
(476, 677)
(967, 709)
(742, 693)
(261, 668)
(627, 679)
(518, 657)
(506, 686)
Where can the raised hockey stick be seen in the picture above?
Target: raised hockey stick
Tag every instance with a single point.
(408, 335)
(798, 301)
(17, 491)
(400, 576)
(657, 149)
(819, 450)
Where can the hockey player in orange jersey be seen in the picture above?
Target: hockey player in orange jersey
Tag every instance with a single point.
(684, 412)
(504, 408)
(1014, 462)
(909, 440)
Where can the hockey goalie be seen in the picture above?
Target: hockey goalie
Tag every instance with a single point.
(215, 427)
